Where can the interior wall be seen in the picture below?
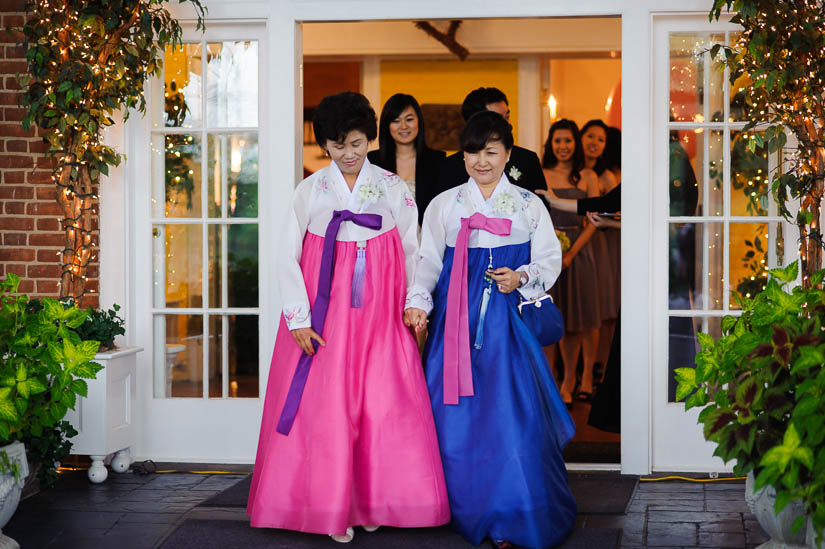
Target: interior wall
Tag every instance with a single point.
(582, 87)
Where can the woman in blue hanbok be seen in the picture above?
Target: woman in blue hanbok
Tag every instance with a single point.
(500, 420)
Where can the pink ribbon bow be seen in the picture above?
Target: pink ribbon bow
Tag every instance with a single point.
(458, 374)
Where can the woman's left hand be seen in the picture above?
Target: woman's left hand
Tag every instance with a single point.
(507, 280)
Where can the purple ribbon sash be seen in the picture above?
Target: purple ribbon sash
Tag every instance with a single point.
(319, 310)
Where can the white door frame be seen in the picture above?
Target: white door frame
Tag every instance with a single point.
(281, 65)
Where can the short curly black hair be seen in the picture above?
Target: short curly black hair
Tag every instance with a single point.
(478, 99)
(339, 114)
(483, 127)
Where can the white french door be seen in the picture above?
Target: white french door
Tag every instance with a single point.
(202, 284)
(716, 229)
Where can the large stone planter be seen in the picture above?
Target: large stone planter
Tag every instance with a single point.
(10, 489)
(810, 537)
(778, 527)
(104, 419)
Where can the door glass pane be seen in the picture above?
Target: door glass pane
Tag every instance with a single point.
(750, 184)
(243, 356)
(685, 185)
(183, 352)
(215, 265)
(716, 83)
(683, 344)
(687, 75)
(176, 266)
(689, 282)
(182, 86)
(242, 262)
(215, 356)
(176, 192)
(716, 162)
(750, 257)
(232, 84)
(715, 242)
(233, 175)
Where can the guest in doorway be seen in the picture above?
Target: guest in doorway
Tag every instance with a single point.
(402, 149)
(361, 449)
(523, 168)
(576, 292)
(500, 420)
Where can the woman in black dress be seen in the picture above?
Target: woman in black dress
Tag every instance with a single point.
(402, 149)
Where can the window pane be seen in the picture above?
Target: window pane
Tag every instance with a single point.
(751, 256)
(215, 265)
(687, 73)
(233, 175)
(748, 176)
(242, 262)
(683, 344)
(716, 83)
(685, 185)
(716, 181)
(177, 181)
(215, 356)
(182, 86)
(177, 265)
(182, 349)
(232, 84)
(687, 277)
(243, 356)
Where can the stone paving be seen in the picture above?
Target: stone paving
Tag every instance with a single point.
(140, 511)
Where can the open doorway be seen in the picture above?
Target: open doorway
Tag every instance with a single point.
(557, 68)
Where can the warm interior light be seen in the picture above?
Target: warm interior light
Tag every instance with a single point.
(552, 104)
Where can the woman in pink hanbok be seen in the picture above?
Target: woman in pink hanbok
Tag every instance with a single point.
(347, 436)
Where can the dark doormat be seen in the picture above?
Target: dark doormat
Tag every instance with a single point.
(225, 534)
(602, 493)
(595, 493)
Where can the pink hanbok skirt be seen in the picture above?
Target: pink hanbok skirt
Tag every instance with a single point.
(363, 447)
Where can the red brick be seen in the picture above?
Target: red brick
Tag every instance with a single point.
(25, 287)
(46, 193)
(15, 161)
(47, 239)
(15, 52)
(14, 114)
(11, 5)
(16, 268)
(44, 271)
(48, 224)
(39, 177)
(43, 208)
(16, 223)
(13, 191)
(16, 254)
(9, 98)
(16, 145)
(48, 256)
(38, 147)
(14, 176)
(13, 20)
(13, 67)
(14, 239)
(14, 130)
(11, 82)
(15, 207)
(48, 287)
(13, 36)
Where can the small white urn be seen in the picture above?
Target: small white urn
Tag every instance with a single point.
(778, 527)
(10, 487)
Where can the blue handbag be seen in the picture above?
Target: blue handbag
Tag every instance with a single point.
(542, 317)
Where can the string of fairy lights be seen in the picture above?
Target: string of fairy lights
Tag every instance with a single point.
(85, 61)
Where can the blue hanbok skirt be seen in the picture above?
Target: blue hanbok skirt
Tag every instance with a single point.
(501, 448)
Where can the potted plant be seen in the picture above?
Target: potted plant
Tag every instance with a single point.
(44, 365)
(760, 388)
(102, 326)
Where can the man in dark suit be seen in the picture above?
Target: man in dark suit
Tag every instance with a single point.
(523, 169)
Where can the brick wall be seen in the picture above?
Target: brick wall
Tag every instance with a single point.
(30, 235)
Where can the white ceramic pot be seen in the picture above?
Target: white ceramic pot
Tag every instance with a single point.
(778, 527)
(10, 489)
(810, 537)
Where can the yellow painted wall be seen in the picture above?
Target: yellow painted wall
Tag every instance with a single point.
(448, 82)
(581, 87)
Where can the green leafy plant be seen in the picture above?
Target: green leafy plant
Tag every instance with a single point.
(102, 326)
(761, 387)
(87, 61)
(49, 449)
(43, 366)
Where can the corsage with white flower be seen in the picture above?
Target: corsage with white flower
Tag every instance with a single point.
(504, 203)
(370, 192)
(514, 173)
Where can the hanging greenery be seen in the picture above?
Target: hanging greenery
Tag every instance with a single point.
(88, 60)
(780, 51)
